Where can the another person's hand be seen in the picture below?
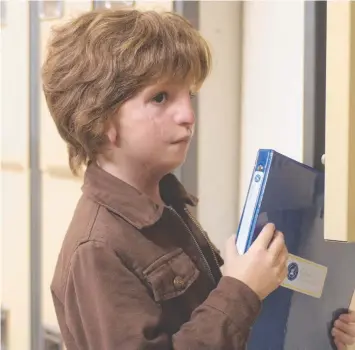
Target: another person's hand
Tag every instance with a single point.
(264, 266)
(344, 331)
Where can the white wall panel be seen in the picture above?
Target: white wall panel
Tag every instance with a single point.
(218, 121)
(15, 257)
(14, 217)
(272, 84)
(15, 84)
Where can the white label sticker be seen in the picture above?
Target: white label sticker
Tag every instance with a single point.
(305, 276)
(249, 209)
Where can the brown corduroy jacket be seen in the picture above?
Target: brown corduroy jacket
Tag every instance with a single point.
(135, 275)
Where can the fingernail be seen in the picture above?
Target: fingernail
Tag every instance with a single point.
(344, 317)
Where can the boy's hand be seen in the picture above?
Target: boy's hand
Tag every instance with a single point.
(264, 266)
(344, 331)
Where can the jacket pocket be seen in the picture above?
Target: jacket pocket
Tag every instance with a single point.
(171, 275)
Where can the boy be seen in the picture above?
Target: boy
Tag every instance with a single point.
(136, 271)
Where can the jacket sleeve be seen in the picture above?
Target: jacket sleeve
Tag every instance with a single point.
(107, 307)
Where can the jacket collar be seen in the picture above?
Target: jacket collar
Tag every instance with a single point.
(129, 203)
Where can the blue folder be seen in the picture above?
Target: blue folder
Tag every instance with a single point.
(290, 195)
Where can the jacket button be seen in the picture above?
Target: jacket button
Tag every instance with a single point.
(179, 283)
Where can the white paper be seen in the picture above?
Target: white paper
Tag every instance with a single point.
(305, 276)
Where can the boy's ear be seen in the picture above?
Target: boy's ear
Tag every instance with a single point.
(112, 134)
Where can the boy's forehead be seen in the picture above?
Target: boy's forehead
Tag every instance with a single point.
(173, 80)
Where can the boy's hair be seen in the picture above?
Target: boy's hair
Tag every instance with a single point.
(100, 59)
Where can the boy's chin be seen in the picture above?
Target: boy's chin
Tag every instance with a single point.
(173, 164)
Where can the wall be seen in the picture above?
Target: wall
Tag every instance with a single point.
(218, 123)
(340, 120)
(272, 96)
(14, 172)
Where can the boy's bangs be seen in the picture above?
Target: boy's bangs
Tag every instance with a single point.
(177, 54)
(184, 63)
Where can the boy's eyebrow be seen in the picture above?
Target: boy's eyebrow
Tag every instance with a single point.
(164, 84)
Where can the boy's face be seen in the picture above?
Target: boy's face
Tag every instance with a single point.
(154, 128)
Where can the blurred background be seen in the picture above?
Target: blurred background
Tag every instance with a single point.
(267, 90)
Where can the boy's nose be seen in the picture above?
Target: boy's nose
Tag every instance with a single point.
(185, 114)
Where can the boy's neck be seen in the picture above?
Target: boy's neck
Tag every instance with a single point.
(137, 178)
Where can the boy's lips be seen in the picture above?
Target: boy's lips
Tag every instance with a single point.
(184, 139)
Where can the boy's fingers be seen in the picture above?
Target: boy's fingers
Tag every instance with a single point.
(349, 318)
(265, 236)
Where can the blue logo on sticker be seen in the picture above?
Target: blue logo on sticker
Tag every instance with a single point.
(257, 178)
(292, 271)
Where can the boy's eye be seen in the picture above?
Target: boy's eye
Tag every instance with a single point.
(161, 97)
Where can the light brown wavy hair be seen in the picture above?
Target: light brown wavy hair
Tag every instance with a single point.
(102, 58)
